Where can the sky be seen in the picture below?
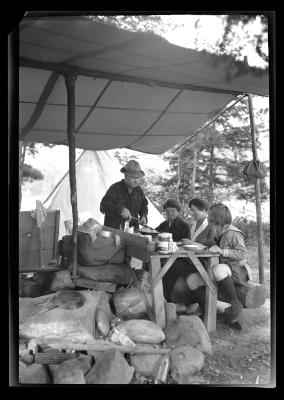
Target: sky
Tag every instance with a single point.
(188, 36)
(53, 163)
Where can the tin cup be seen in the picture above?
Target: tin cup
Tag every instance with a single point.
(148, 238)
(162, 246)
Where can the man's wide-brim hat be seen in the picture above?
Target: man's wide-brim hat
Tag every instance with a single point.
(133, 169)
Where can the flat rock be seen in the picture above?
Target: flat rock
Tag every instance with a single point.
(111, 368)
(146, 364)
(184, 362)
(34, 373)
(141, 331)
(68, 372)
(189, 330)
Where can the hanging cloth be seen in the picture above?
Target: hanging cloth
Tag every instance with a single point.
(201, 228)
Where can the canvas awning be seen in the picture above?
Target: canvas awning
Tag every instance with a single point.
(133, 90)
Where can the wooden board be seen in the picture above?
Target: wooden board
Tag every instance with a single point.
(209, 282)
(28, 240)
(91, 284)
(136, 245)
(157, 292)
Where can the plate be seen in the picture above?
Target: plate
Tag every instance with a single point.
(164, 252)
(193, 247)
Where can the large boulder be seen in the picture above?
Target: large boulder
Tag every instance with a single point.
(68, 372)
(184, 362)
(34, 373)
(141, 331)
(254, 317)
(188, 330)
(146, 364)
(110, 368)
(85, 362)
(129, 303)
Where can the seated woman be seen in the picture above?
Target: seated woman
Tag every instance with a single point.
(199, 231)
(174, 224)
(174, 281)
(233, 267)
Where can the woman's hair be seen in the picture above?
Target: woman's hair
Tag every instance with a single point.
(199, 203)
(172, 203)
(219, 214)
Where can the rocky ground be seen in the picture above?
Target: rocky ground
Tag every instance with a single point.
(239, 357)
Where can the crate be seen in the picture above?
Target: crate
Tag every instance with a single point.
(29, 255)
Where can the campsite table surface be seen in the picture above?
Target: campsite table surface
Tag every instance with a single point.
(157, 272)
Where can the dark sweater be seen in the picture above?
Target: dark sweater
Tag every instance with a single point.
(116, 198)
(179, 228)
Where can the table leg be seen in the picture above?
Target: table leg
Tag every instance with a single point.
(211, 300)
(157, 292)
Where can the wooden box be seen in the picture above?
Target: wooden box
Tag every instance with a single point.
(29, 258)
(136, 246)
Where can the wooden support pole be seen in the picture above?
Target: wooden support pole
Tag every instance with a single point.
(157, 292)
(70, 78)
(257, 196)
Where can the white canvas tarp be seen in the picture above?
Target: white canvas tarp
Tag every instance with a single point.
(95, 172)
(132, 90)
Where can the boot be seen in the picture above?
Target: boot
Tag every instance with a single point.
(227, 287)
(236, 310)
(198, 296)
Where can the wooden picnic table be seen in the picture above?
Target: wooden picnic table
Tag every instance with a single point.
(157, 272)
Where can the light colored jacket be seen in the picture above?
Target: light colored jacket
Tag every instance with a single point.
(235, 251)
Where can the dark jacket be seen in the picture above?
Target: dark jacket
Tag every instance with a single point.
(116, 198)
(179, 228)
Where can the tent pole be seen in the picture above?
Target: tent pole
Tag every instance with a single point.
(61, 180)
(257, 196)
(70, 78)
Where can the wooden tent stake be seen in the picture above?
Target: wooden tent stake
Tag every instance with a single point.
(257, 196)
(70, 78)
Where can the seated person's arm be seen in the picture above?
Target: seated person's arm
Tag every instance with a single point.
(237, 249)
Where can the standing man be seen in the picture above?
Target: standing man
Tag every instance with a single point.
(125, 199)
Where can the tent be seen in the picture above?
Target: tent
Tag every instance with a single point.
(132, 90)
(95, 172)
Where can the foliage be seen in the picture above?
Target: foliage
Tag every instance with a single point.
(235, 22)
(31, 174)
(123, 158)
(142, 23)
(249, 228)
(32, 149)
(222, 152)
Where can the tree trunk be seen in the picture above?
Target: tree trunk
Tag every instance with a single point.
(257, 197)
(211, 175)
(194, 166)
(178, 194)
